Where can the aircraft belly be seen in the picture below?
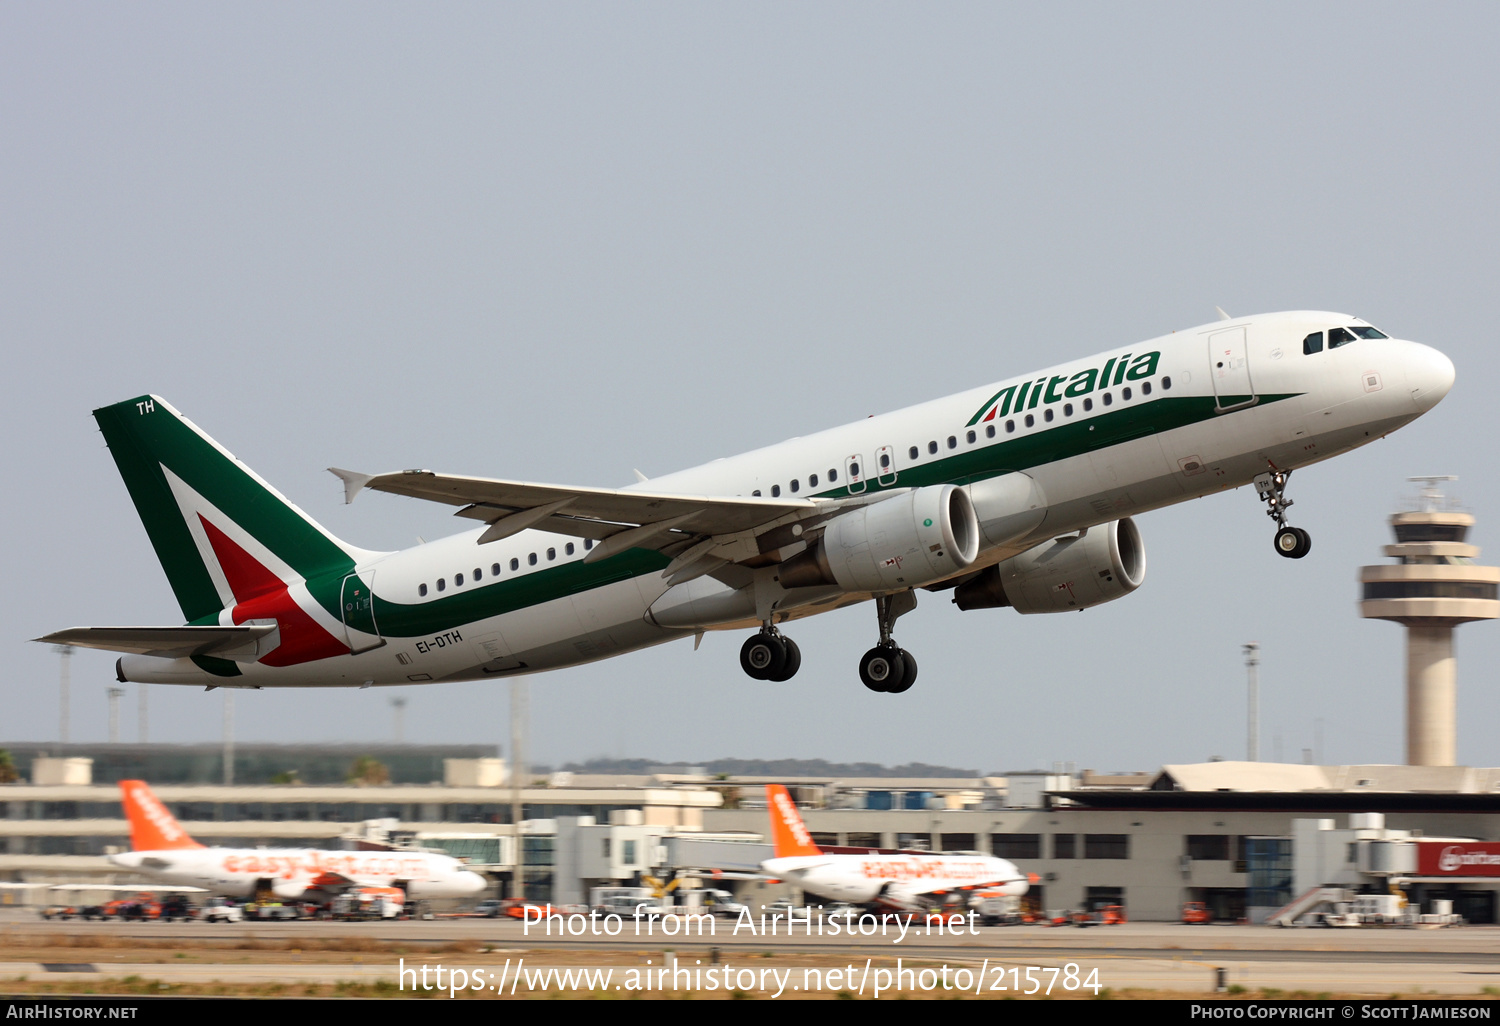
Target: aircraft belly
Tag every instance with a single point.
(596, 624)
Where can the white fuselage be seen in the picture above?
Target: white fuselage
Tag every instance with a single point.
(1268, 405)
(897, 880)
(292, 872)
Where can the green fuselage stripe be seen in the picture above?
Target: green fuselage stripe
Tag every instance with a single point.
(983, 459)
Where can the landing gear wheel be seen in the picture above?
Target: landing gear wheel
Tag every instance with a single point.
(793, 661)
(1293, 542)
(881, 669)
(764, 655)
(909, 677)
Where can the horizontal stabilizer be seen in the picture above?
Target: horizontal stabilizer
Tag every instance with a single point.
(166, 642)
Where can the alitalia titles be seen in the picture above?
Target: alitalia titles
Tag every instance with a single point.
(1028, 395)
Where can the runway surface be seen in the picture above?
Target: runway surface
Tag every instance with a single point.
(1151, 956)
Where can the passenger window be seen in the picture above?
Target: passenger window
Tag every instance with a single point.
(1338, 337)
(588, 543)
(952, 442)
(458, 580)
(1030, 420)
(551, 555)
(1067, 409)
(1108, 399)
(796, 485)
(1145, 388)
(756, 493)
(912, 452)
(442, 583)
(853, 469)
(1010, 427)
(422, 590)
(1088, 404)
(885, 461)
(494, 569)
(1166, 384)
(812, 480)
(568, 549)
(776, 491)
(515, 564)
(1312, 344)
(971, 436)
(989, 431)
(833, 475)
(932, 448)
(1047, 415)
(1125, 393)
(531, 559)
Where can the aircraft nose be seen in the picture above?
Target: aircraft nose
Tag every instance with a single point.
(1429, 375)
(474, 883)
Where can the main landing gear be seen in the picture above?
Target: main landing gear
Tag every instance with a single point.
(886, 667)
(767, 655)
(1291, 542)
(770, 656)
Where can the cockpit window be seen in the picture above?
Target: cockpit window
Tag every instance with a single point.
(1363, 332)
(1339, 337)
(1313, 343)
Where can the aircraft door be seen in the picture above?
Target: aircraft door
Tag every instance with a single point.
(357, 602)
(885, 466)
(1229, 366)
(854, 473)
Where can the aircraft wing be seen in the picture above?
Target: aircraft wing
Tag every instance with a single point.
(167, 642)
(620, 519)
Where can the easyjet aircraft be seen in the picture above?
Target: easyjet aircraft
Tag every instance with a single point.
(1018, 494)
(160, 847)
(901, 881)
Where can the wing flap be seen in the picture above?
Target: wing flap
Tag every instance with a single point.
(167, 642)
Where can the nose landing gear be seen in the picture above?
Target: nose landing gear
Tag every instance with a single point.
(1291, 542)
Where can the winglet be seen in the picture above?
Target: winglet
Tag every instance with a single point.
(354, 482)
(788, 832)
(152, 827)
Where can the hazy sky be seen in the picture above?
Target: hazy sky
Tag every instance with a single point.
(556, 242)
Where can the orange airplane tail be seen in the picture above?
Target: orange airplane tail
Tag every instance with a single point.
(788, 832)
(152, 827)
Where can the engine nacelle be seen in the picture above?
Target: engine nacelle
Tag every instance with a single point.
(905, 541)
(1063, 574)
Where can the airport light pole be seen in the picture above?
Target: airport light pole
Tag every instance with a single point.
(1252, 673)
(518, 702)
(114, 713)
(65, 654)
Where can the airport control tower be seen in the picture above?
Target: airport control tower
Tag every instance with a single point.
(1433, 586)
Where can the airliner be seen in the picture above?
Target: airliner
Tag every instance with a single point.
(904, 882)
(162, 849)
(1019, 493)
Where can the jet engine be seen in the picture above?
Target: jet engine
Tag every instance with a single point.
(905, 541)
(1075, 572)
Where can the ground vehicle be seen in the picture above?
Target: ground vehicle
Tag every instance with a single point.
(369, 903)
(1196, 913)
(220, 910)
